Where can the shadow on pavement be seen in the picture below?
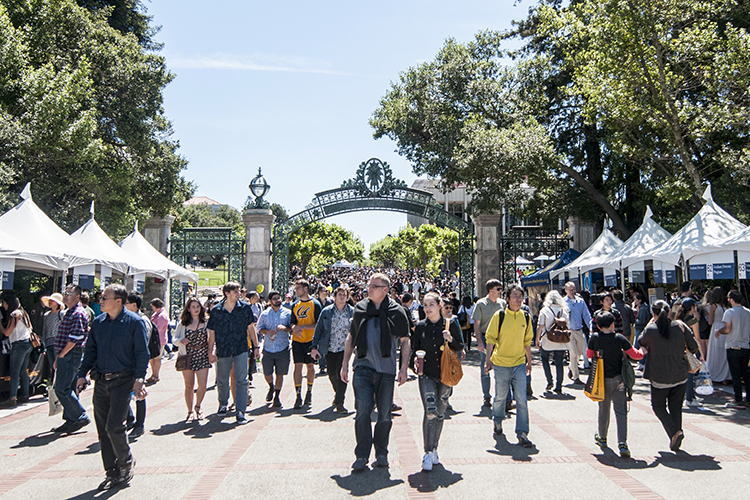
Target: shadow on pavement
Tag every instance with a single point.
(96, 494)
(558, 397)
(328, 415)
(517, 452)
(212, 426)
(681, 461)
(41, 439)
(91, 449)
(367, 482)
(426, 482)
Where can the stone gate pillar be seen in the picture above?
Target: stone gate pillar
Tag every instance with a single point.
(487, 230)
(258, 223)
(156, 230)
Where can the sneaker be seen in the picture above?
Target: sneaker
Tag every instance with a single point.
(435, 459)
(298, 402)
(487, 403)
(222, 411)
(63, 429)
(241, 420)
(602, 442)
(676, 441)
(693, 403)
(308, 398)
(109, 483)
(427, 461)
(359, 465)
(498, 429)
(78, 425)
(624, 451)
(381, 461)
(270, 394)
(737, 405)
(126, 474)
(524, 441)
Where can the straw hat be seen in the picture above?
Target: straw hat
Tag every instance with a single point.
(55, 297)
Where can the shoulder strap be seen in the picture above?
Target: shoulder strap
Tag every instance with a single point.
(526, 314)
(501, 318)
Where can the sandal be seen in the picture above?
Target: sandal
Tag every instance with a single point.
(198, 413)
(232, 407)
(189, 417)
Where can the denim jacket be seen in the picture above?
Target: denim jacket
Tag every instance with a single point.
(323, 328)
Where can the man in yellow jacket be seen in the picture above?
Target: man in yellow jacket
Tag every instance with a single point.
(509, 337)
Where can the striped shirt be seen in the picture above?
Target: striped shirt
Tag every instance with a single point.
(74, 327)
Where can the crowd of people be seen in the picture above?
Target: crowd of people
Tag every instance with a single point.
(368, 329)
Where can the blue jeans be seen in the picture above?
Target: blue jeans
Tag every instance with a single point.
(49, 351)
(223, 368)
(67, 373)
(372, 389)
(506, 377)
(484, 377)
(435, 401)
(19, 362)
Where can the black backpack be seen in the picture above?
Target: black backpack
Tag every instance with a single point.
(154, 345)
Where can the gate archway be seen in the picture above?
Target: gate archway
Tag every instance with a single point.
(374, 188)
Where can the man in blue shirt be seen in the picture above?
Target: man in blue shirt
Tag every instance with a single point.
(116, 354)
(231, 323)
(579, 316)
(274, 325)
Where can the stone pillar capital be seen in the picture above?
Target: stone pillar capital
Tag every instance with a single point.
(258, 224)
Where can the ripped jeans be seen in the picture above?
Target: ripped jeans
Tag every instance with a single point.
(434, 400)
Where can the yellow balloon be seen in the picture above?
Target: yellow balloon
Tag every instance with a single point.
(260, 288)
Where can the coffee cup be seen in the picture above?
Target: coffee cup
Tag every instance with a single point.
(420, 362)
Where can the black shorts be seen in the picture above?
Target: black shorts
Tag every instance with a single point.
(278, 361)
(301, 352)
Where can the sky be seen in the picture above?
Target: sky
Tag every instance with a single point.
(289, 86)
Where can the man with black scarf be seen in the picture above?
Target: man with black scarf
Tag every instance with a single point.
(379, 324)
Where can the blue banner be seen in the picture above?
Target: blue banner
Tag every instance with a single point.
(85, 281)
(697, 271)
(724, 271)
(670, 277)
(658, 276)
(638, 276)
(7, 280)
(610, 280)
(140, 286)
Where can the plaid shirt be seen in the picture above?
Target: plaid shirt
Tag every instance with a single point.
(74, 327)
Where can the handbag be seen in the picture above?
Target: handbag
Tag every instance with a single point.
(182, 362)
(694, 364)
(55, 406)
(559, 332)
(703, 384)
(450, 367)
(595, 384)
(628, 376)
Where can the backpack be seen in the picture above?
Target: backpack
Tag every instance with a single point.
(559, 332)
(501, 317)
(154, 344)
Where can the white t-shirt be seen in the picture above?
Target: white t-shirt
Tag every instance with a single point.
(546, 319)
(739, 318)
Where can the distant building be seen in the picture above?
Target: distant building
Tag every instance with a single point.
(203, 200)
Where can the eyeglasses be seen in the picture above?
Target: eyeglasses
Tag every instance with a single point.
(499, 289)
(106, 298)
(448, 307)
(371, 285)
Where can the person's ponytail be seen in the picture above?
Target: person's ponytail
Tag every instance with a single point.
(660, 309)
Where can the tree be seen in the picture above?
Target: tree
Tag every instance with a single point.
(426, 248)
(82, 118)
(279, 212)
(209, 216)
(127, 17)
(324, 243)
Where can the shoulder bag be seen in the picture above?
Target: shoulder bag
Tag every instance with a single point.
(450, 367)
(694, 364)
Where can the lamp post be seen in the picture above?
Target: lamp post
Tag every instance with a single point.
(259, 187)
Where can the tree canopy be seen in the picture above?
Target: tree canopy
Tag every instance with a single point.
(81, 117)
(320, 244)
(607, 107)
(208, 216)
(426, 248)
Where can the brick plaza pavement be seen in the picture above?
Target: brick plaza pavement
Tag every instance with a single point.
(296, 454)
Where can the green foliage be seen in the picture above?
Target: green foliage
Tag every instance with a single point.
(127, 17)
(81, 118)
(209, 216)
(321, 244)
(424, 248)
(279, 212)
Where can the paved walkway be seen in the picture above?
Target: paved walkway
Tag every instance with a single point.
(307, 454)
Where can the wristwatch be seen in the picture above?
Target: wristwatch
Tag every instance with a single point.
(141, 380)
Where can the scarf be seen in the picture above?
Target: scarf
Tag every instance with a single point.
(393, 322)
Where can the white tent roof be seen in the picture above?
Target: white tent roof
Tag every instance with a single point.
(343, 263)
(27, 257)
(706, 230)
(521, 261)
(93, 236)
(639, 245)
(604, 245)
(45, 237)
(739, 241)
(148, 259)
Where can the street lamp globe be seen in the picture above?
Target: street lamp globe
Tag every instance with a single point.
(259, 187)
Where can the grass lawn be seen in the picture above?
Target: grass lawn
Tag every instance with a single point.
(212, 277)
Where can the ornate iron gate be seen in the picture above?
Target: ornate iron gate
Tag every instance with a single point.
(528, 240)
(198, 241)
(374, 188)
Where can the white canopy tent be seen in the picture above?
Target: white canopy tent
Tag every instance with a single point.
(739, 243)
(148, 259)
(698, 241)
(42, 235)
(604, 245)
(93, 236)
(17, 253)
(343, 263)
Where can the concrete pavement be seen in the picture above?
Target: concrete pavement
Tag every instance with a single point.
(308, 453)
